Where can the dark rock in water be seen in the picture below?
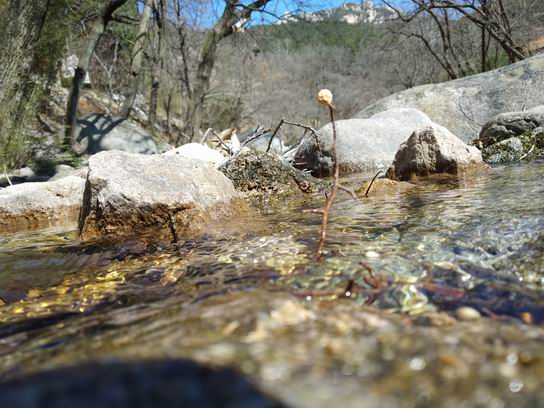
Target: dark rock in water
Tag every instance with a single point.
(362, 144)
(434, 150)
(464, 104)
(99, 132)
(511, 124)
(265, 176)
(130, 194)
(528, 146)
(151, 384)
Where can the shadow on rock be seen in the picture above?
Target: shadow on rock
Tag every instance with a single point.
(178, 383)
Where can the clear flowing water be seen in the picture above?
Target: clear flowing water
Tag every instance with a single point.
(249, 295)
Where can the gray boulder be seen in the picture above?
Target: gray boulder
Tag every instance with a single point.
(434, 150)
(362, 144)
(466, 104)
(99, 132)
(511, 124)
(31, 205)
(130, 194)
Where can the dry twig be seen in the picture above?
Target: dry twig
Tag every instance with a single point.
(325, 98)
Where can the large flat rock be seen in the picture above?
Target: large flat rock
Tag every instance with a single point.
(32, 205)
(465, 105)
(362, 144)
(130, 194)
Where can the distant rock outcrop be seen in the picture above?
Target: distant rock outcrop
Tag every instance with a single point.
(350, 13)
(362, 144)
(466, 104)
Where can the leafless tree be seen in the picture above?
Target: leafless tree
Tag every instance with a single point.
(98, 29)
(136, 60)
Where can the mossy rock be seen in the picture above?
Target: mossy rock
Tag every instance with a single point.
(263, 177)
(527, 147)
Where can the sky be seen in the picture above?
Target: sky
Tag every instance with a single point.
(214, 8)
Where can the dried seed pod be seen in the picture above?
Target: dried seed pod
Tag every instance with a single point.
(324, 97)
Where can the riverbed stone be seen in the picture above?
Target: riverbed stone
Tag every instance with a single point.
(434, 150)
(99, 132)
(32, 205)
(465, 104)
(362, 144)
(130, 194)
(511, 124)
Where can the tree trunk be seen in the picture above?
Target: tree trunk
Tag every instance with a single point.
(19, 37)
(83, 66)
(161, 8)
(136, 61)
(224, 27)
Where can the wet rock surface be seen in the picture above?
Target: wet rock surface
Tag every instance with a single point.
(382, 187)
(263, 177)
(362, 144)
(434, 150)
(129, 194)
(32, 205)
(465, 104)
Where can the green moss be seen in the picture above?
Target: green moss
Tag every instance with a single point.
(527, 147)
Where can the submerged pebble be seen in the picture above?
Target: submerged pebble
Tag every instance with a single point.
(467, 313)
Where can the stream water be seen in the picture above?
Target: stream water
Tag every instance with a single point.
(249, 295)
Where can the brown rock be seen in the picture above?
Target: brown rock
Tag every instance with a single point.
(434, 150)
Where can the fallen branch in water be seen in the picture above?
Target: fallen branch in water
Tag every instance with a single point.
(372, 182)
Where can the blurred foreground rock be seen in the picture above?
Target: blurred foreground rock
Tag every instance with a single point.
(151, 384)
